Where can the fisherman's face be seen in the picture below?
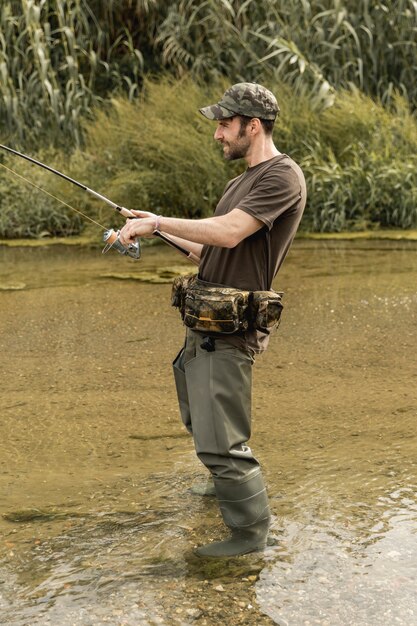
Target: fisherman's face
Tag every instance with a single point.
(234, 139)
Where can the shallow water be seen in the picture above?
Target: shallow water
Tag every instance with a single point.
(98, 520)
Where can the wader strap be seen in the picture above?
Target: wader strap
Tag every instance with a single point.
(208, 344)
(269, 259)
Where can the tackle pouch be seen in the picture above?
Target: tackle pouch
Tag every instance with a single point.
(179, 289)
(266, 308)
(218, 309)
(211, 308)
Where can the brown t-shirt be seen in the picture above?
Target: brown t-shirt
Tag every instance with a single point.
(274, 192)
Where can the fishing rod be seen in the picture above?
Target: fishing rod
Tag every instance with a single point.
(110, 236)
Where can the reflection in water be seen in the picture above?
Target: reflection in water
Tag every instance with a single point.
(95, 473)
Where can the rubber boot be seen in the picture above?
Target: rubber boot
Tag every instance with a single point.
(245, 510)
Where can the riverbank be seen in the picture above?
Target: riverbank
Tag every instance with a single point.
(92, 241)
(393, 235)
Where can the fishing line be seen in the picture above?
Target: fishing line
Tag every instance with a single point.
(110, 237)
(52, 196)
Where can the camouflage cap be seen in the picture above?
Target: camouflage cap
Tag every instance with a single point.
(248, 99)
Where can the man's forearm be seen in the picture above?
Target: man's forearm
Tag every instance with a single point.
(211, 231)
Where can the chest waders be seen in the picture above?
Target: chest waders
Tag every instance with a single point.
(214, 382)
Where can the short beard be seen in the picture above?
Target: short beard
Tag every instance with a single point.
(238, 149)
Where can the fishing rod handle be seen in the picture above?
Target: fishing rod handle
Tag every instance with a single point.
(99, 196)
(190, 255)
(193, 258)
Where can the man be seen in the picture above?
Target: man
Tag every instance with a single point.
(241, 246)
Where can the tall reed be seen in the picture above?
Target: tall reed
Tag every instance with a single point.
(58, 60)
(318, 46)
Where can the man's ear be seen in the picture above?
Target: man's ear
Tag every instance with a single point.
(255, 125)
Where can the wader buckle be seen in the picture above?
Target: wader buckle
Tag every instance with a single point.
(208, 344)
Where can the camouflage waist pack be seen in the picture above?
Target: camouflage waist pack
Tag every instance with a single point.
(218, 309)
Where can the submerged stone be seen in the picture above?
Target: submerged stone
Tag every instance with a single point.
(12, 286)
(155, 276)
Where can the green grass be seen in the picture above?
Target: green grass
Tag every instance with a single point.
(158, 153)
(358, 156)
(27, 212)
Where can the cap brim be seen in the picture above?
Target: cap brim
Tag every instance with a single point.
(216, 112)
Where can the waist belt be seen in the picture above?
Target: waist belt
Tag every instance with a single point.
(218, 309)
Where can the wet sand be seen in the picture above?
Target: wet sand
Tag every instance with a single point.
(98, 521)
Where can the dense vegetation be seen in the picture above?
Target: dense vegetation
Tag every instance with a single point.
(74, 83)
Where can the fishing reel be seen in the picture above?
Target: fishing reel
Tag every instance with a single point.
(111, 239)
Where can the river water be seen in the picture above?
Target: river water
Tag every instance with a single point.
(98, 523)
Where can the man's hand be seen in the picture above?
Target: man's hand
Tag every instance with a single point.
(144, 226)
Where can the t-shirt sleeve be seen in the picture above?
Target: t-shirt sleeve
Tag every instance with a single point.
(275, 192)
